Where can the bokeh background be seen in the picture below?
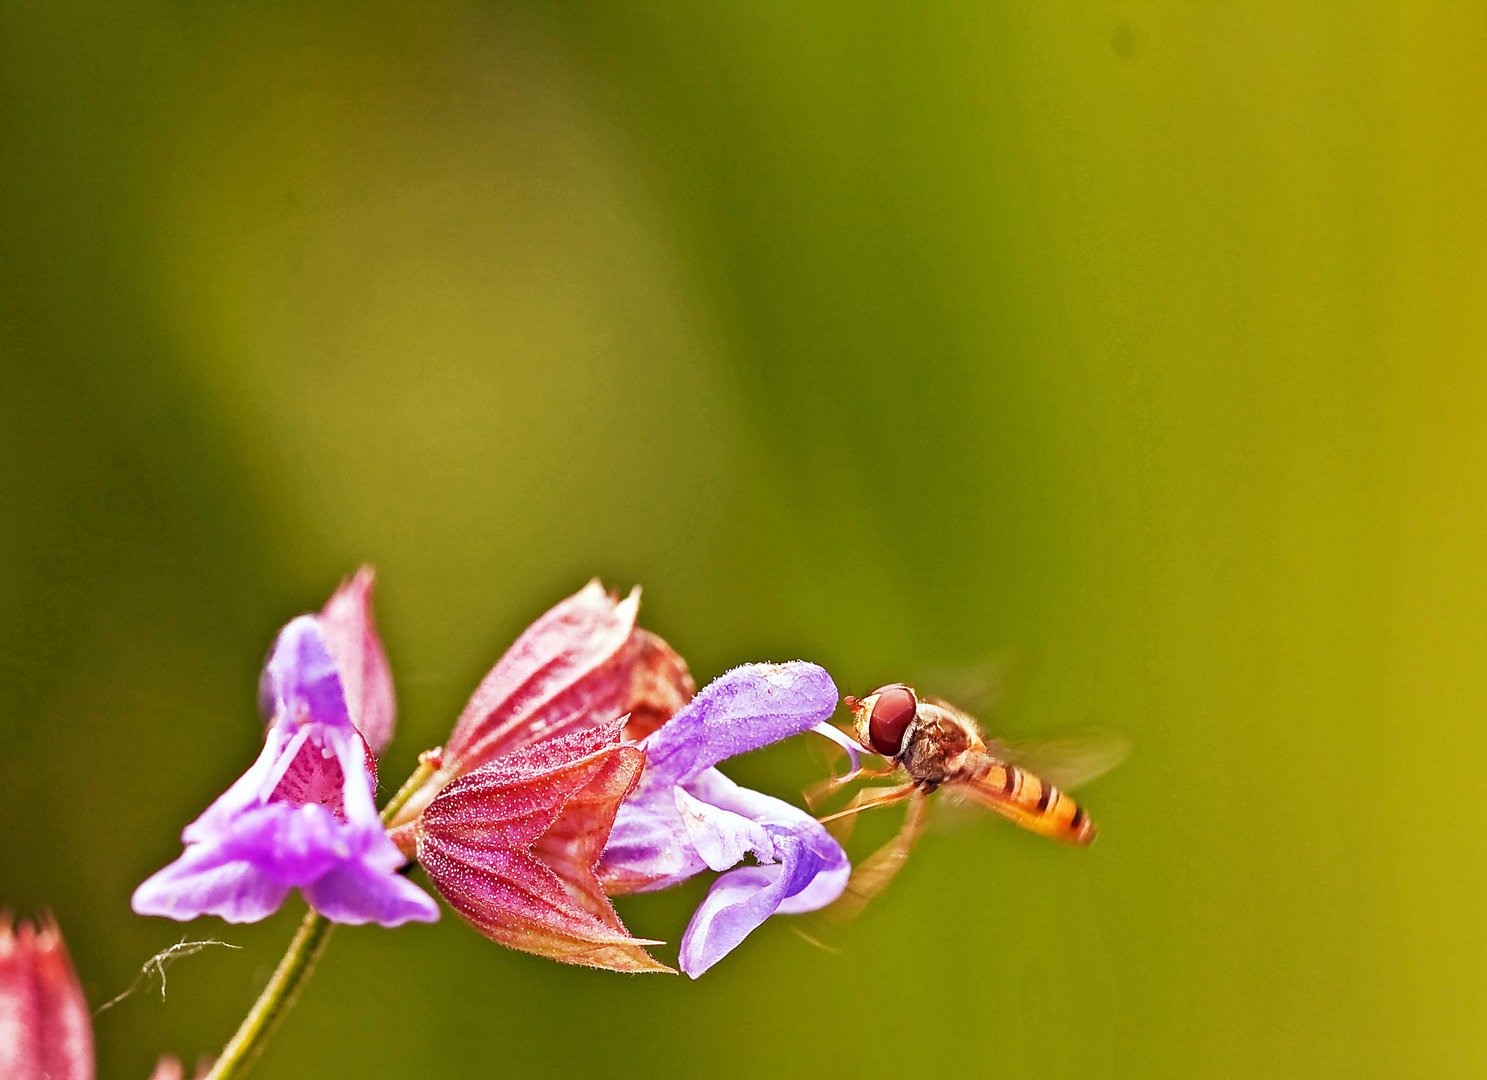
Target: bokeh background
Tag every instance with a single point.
(1130, 352)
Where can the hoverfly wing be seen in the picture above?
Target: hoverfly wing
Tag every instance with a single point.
(1068, 760)
(984, 685)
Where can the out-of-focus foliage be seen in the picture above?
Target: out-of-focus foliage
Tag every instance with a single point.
(1141, 343)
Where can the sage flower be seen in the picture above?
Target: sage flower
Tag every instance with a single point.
(685, 816)
(303, 815)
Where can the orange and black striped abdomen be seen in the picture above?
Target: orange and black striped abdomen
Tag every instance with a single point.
(1032, 803)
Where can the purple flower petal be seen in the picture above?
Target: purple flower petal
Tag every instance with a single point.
(246, 790)
(830, 868)
(302, 675)
(742, 899)
(686, 816)
(649, 847)
(355, 893)
(302, 816)
(745, 709)
(201, 882)
(293, 845)
(721, 837)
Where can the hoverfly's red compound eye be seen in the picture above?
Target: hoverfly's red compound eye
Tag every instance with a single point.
(892, 713)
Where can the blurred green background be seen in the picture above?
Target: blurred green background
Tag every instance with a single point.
(1141, 343)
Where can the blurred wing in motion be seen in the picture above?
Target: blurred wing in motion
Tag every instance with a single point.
(981, 686)
(1070, 760)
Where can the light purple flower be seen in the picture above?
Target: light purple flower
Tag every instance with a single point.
(685, 816)
(303, 815)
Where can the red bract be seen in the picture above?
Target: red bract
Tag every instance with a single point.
(351, 635)
(512, 847)
(583, 660)
(660, 685)
(580, 664)
(46, 1032)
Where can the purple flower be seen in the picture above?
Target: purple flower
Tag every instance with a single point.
(303, 815)
(685, 816)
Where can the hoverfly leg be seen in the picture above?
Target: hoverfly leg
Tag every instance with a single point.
(869, 798)
(872, 876)
(822, 790)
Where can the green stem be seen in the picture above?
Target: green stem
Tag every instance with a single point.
(296, 966)
(406, 792)
(277, 998)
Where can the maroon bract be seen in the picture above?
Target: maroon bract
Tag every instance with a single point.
(351, 635)
(512, 847)
(660, 685)
(582, 663)
(46, 1032)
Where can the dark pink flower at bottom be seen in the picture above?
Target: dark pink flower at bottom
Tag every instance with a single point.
(169, 1068)
(46, 1032)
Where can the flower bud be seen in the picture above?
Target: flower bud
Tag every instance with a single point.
(46, 1032)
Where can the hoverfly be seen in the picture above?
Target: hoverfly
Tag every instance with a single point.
(934, 745)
